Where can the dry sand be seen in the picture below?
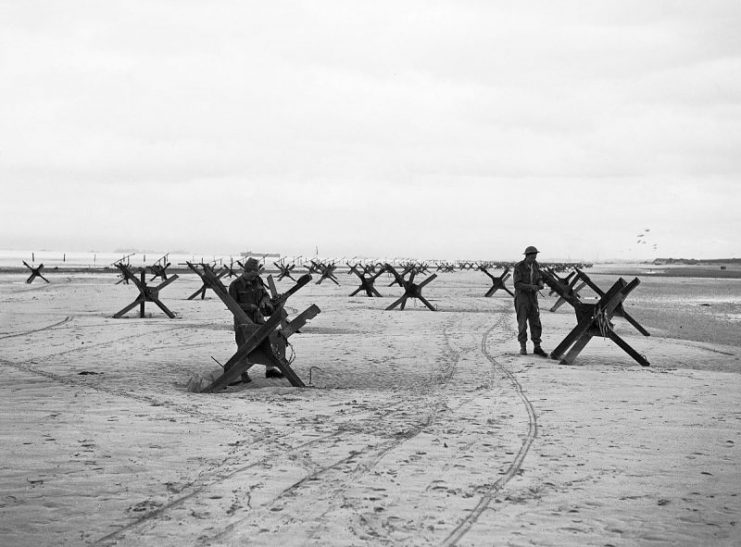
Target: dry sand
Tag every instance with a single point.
(419, 428)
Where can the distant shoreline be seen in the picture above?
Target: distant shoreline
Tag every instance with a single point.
(640, 270)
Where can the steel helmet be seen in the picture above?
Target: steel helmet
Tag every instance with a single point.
(251, 265)
(531, 251)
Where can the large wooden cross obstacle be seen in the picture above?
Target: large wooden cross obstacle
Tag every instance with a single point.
(204, 284)
(619, 310)
(367, 281)
(411, 289)
(497, 282)
(264, 344)
(594, 319)
(146, 293)
(568, 287)
(35, 272)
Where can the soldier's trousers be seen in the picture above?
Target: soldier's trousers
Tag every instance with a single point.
(527, 311)
(241, 338)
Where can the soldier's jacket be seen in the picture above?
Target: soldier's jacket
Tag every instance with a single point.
(524, 275)
(252, 296)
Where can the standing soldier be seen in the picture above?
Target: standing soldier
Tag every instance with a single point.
(528, 282)
(249, 291)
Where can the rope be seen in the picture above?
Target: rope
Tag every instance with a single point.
(293, 352)
(602, 322)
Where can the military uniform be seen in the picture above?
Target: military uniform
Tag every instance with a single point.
(252, 296)
(250, 292)
(527, 280)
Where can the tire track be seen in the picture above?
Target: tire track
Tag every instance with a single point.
(464, 526)
(446, 375)
(26, 333)
(369, 458)
(363, 460)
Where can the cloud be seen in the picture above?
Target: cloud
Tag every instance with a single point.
(371, 115)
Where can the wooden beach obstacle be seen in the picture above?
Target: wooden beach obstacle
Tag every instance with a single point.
(229, 270)
(326, 271)
(264, 344)
(411, 289)
(313, 267)
(204, 285)
(284, 270)
(568, 287)
(497, 282)
(125, 260)
(619, 310)
(398, 278)
(146, 293)
(595, 319)
(445, 267)
(35, 272)
(159, 268)
(367, 280)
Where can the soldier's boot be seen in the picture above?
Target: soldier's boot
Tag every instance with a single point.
(243, 379)
(523, 349)
(537, 350)
(273, 372)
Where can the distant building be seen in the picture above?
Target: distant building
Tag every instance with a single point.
(255, 253)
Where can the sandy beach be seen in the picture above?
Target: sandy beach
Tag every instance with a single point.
(416, 428)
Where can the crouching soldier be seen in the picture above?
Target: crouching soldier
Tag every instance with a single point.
(250, 292)
(528, 282)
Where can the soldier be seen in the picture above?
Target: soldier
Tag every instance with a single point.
(528, 282)
(249, 291)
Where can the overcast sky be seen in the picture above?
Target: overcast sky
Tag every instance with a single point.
(428, 129)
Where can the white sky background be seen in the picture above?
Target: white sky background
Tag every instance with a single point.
(428, 129)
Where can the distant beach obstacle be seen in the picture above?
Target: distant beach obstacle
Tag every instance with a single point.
(35, 272)
(411, 289)
(445, 267)
(159, 268)
(284, 270)
(146, 293)
(497, 283)
(204, 283)
(325, 270)
(367, 279)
